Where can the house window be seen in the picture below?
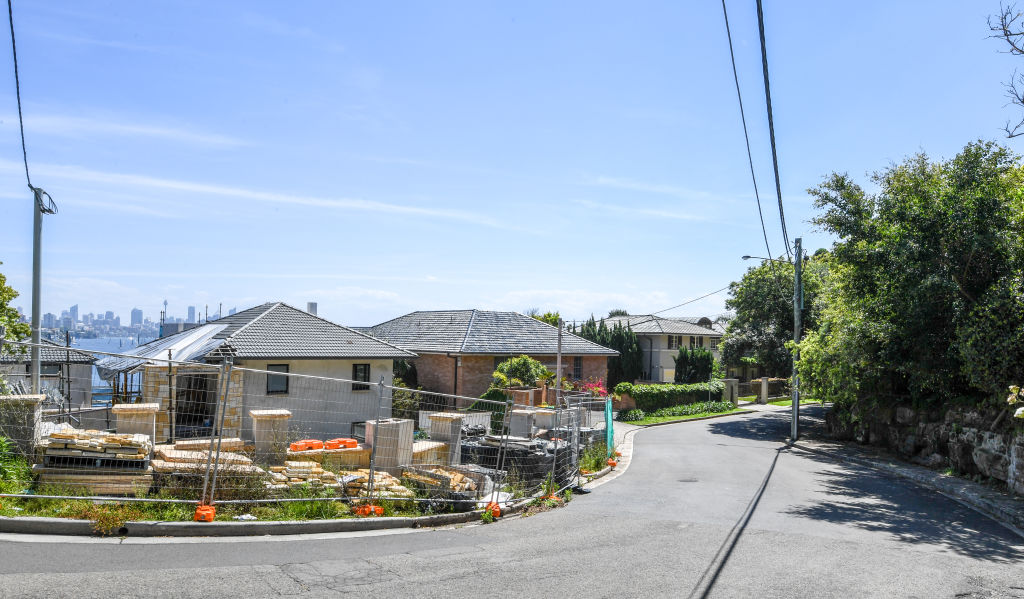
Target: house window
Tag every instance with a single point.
(577, 368)
(277, 383)
(360, 372)
(714, 343)
(44, 369)
(675, 341)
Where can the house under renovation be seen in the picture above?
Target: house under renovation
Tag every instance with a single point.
(266, 344)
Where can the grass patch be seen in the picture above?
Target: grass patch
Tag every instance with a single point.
(705, 414)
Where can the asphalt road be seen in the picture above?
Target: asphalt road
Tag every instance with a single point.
(714, 508)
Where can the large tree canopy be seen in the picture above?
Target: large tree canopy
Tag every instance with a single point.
(763, 302)
(924, 298)
(9, 319)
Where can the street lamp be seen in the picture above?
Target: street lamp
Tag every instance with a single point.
(798, 304)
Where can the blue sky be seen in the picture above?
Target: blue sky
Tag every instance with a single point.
(576, 156)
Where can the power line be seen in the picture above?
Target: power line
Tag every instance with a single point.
(771, 124)
(746, 136)
(43, 200)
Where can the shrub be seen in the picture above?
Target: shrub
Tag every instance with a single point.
(651, 398)
(632, 415)
(694, 365)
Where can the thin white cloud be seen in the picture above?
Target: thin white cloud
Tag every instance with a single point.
(657, 188)
(69, 126)
(77, 173)
(637, 211)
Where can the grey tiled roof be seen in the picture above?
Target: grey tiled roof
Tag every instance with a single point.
(49, 353)
(481, 332)
(277, 330)
(660, 325)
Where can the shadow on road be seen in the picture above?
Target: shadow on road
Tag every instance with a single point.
(875, 501)
(872, 500)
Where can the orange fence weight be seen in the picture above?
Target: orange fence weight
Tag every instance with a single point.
(341, 443)
(205, 513)
(307, 445)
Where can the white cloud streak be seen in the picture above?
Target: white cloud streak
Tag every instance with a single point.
(637, 211)
(657, 188)
(80, 174)
(69, 126)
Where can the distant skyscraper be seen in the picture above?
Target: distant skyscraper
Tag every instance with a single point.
(49, 320)
(66, 323)
(109, 315)
(136, 317)
(191, 314)
(231, 311)
(74, 313)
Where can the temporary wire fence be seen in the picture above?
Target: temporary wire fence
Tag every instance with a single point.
(259, 433)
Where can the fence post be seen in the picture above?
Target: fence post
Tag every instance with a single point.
(220, 426)
(609, 431)
(209, 452)
(373, 446)
(499, 464)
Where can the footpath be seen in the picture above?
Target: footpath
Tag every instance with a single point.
(997, 504)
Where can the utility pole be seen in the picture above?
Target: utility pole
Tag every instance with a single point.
(798, 305)
(37, 265)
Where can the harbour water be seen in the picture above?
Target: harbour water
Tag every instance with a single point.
(111, 345)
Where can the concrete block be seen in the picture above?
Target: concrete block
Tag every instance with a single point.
(394, 441)
(270, 432)
(521, 423)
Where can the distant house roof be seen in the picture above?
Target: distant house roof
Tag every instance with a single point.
(273, 331)
(661, 325)
(49, 353)
(481, 332)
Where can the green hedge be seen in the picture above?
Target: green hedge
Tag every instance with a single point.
(651, 398)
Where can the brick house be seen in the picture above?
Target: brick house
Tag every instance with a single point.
(272, 337)
(459, 349)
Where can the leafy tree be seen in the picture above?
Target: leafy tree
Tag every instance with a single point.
(549, 317)
(617, 312)
(924, 299)
(694, 365)
(9, 318)
(763, 302)
(521, 370)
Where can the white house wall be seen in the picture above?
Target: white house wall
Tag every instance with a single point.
(320, 408)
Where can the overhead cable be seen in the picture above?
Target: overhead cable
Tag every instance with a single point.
(43, 200)
(771, 125)
(746, 136)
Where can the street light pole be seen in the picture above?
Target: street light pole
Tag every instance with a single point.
(798, 304)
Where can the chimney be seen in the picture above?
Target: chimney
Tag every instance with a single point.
(311, 308)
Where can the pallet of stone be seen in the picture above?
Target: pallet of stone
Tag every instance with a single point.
(429, 452)
(441, 478)
(92, 461)
(336, 459)
(99, 482)
(296, 473)
(170, 454)
(165, 467)
(226, 444)
(357, 484)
